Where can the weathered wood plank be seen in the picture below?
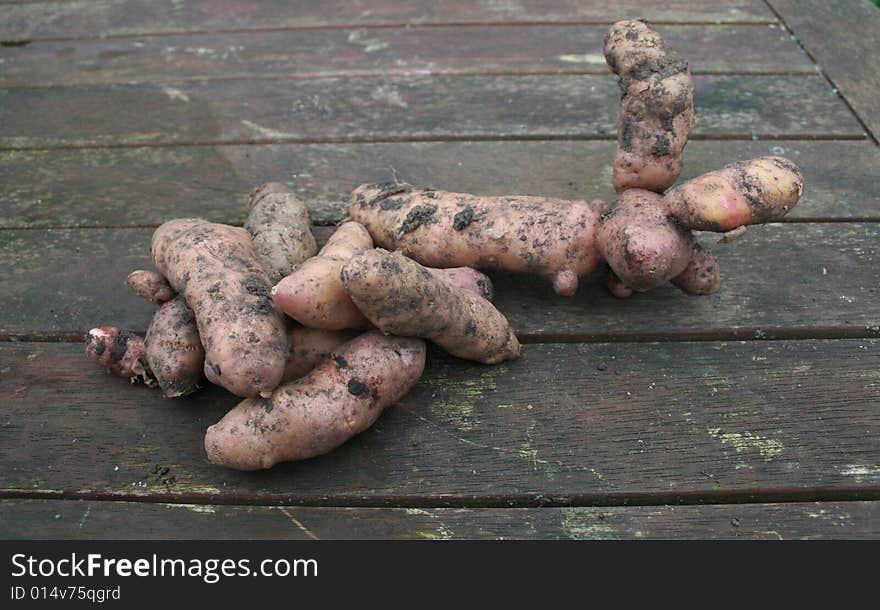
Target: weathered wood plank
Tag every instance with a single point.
(92, 19)
(147, 186)
(86, 520)
(322, 53)
(843, 37)
(583, 424)
(787, 280)
(395, 108)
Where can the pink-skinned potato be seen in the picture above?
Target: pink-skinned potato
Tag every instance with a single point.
(339, 399)
(174, 350)
(121, 352)
(548, 237)
(750, 192)
(313, 294)
(150, 285)
(310, 346)
(466, 279)
(280, 228)
(643, 247)
(656, 107)
(214, 267)
(401, 297)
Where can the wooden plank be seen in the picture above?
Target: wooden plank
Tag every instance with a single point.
(86, 520)
(786, 280)
(104, 18)
(843, 37)
(564, 424)
(400, 108)
(147, 186)
(399, 51)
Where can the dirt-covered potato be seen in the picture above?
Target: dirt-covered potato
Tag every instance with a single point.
(401, 297)
(552, 238)
(339, 399)
(656, 107)
(150, 285)
(174, 350)
(121, 352)
(750, 192)
(641, 244)
(280, 227)
(215, 268)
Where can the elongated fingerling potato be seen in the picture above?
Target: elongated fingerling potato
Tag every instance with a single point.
(313, 294)
(174, 350)
(552, 238)
(750, 192)
(403, 298)
(215, 268)
(280, 227)
(339, 399)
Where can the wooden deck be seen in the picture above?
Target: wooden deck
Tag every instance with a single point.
(753, 413)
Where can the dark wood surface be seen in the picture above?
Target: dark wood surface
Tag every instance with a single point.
(569, 49)
(824, 281)
(89, 520)
(748, 414)
(365, 109)
(102, 187)
(837, 36)
(636, 423)
(84, 18)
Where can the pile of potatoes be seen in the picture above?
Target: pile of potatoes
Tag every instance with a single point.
(319, 343)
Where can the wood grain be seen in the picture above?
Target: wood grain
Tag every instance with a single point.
(565, 424)
(103, 18)
(399, 51)
(843, 37)
(787, 280)
(147, 186)
(87, 520)
(400, 108)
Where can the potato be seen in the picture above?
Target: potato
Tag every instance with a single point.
(150, 285)
(466, 279)
(641, 244)
(403, 298)
(280, 227)
(313, 294)
(552, 238)
(174, 350)
(310, 346)
(702, 275)
(656, 107)
(341, 398)
(749, 192)
(215, 268)
(119, 351)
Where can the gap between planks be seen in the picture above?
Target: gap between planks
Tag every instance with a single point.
(391, 73)
(380, 26)
(445, 138)
(821, 71)
(687, 498)
(745, 333)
